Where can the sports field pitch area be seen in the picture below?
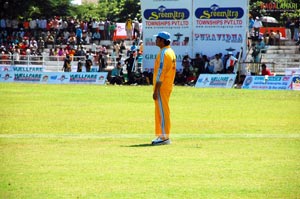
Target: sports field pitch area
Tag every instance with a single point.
(89, 141)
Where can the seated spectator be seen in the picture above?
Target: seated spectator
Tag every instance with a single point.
(72, 39)
(50, 40)
(117, 75)
(96, 37)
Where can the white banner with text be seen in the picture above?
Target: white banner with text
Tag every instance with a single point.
(54, 77)
(215, 81)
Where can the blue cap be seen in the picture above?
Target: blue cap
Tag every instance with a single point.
(163, 34)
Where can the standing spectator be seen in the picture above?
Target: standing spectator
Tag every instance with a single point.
(257, 25)
(206, 64)
(288, 29)
(101, 29)
(133, 48)
(128, 28)
(26, 24)
(136, 28)
(67, 64)
(3, 23)
(272, 37)
(41, 44)
(112, 30)
(95, 26)
(101, 62)
(163, 79)
(79, 66)
(296, 30)
(251, 23)
(139, 59)
(141, 47)
(130, 68)
(123, 47)
(277, 37)
(230, 63)
(88, 63)
(116, 47)
(217, 64)
(78, 35)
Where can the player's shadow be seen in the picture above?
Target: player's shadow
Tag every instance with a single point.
(141, 145)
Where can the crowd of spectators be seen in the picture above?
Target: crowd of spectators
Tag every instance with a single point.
(68, 38)
(55, 31)
(65, 38)
(32, 36)
(202, 64)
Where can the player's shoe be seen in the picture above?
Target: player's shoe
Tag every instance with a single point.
(160, 141)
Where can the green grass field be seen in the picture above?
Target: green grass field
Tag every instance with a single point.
(88, 141)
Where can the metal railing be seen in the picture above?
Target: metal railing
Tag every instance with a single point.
(49, 63)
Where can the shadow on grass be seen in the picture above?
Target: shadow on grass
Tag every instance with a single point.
(140, 145)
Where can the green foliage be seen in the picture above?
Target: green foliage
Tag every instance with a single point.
(257, 10)
(117, 10)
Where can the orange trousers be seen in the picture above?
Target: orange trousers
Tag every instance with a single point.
(162, 114)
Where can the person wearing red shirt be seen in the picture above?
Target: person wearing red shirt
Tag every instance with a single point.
(266, 70)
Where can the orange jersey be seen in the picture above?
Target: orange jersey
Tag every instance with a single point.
(165, 68)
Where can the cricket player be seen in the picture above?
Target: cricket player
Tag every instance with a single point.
(163, 78)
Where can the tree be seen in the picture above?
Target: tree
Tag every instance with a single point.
(280, 9)
(35, 8)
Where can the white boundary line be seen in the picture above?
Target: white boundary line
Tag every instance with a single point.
(143, 136)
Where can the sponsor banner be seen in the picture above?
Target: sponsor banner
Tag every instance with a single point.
(283, 6)
(296, 82)
(6, 76)
(54, 77)
(197, 26)
(22, 68)
(268, 82)
(220, 25)
(292, 71)
(215, 81)
(172, 16)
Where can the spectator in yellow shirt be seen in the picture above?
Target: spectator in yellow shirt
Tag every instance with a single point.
(128, 28)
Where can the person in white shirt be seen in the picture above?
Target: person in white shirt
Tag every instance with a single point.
(257, 25)
(217, 64)
(231, 63)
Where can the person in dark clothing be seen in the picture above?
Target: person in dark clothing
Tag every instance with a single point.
(130, 67)
(88, 64)
(67, 64)
(102, 64)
